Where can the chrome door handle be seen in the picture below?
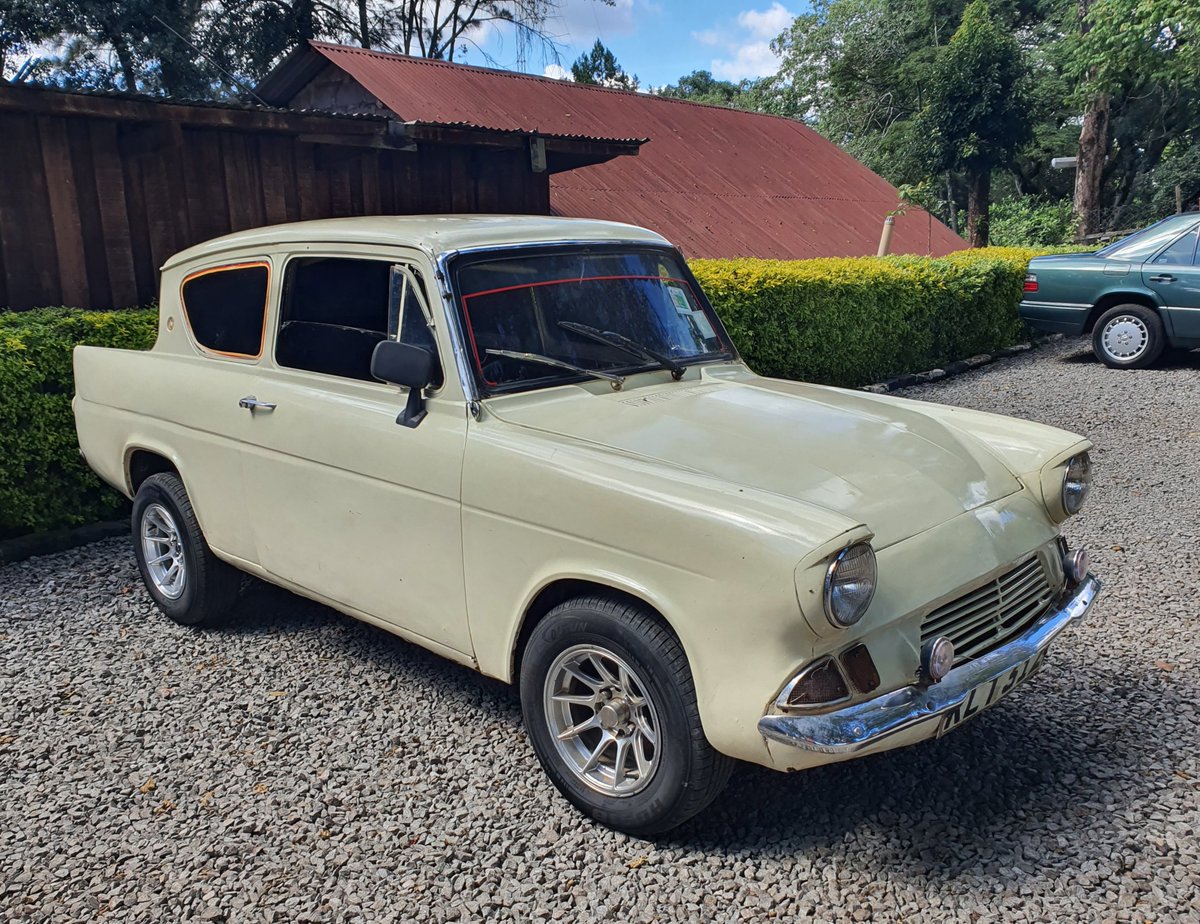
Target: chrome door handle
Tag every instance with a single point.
(1165, 277)
(252, 404)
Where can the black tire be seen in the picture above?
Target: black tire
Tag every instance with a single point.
(209, 587)
(685, 773)
(1135, 341)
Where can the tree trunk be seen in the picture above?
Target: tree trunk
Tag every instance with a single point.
(364, 32)
(952, 203)
(979, 201)
(1089, 168)
(125, 59)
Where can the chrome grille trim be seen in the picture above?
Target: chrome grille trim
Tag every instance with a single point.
(988, 616)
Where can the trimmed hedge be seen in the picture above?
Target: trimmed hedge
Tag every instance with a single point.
(44, 484)
(855, 320)
(841, 321)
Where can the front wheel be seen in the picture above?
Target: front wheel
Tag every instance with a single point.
(1128, 337)
(610, 707)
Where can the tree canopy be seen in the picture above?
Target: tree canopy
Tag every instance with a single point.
(599, 67)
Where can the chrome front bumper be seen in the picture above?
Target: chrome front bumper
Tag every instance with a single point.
(868, 723)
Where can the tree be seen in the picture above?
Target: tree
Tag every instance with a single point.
(703, 87)
(23, 23)
(974, 114)
(599, 67)
(191, 47)
(1124, 52)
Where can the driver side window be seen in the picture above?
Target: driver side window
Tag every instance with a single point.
(334, 310)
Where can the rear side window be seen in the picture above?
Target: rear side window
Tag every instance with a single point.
(226, 308)
(1181, 252)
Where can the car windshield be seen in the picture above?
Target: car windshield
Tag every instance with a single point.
(543, 318)
(1144, 244)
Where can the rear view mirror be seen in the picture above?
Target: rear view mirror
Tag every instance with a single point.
(411, 366)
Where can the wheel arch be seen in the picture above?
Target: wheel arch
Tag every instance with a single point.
(1112, 299)
(560, 589)
(141, 462)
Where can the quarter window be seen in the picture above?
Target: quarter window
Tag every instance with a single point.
(226, 308)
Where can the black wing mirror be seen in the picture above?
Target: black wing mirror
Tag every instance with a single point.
(413, 367)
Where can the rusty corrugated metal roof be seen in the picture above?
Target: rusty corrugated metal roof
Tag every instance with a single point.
(718, 182)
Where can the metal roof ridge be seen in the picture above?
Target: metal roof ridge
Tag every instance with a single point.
(540, 78)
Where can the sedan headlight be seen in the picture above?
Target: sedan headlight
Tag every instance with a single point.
(1077, 479)
(850, 585)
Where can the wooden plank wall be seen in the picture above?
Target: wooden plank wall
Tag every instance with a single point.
(90, 208)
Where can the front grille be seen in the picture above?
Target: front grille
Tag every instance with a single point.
(988, 616)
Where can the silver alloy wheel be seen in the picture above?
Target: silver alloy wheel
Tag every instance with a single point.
(603, 721)
(163, 551)
(1125, 337)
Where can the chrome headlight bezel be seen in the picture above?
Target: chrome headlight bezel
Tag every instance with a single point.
(1077, 481)
(854, 564)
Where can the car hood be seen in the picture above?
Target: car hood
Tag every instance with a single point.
(881, 463)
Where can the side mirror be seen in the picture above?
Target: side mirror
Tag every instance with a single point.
(413, 367)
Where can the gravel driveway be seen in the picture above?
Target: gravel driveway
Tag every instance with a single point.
(299, 766)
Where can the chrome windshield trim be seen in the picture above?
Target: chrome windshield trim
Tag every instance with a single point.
(865, 724)
(458, 342)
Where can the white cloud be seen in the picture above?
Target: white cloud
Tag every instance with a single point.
(747, 42)
(766, 24)
(557, 72)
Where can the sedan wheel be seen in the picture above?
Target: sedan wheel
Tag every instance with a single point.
(1128, 337)
(610, 707)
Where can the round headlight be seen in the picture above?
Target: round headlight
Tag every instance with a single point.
(850, 585)
(1076, 481)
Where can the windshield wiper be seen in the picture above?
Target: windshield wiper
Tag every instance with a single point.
(621, 342)
(617, 380)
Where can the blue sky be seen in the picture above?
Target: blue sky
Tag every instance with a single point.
(659, 40)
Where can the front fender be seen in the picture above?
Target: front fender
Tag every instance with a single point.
(716, 560)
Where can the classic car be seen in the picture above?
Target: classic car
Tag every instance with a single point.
(1135, 297)
(530, 445)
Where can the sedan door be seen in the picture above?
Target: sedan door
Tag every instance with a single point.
(348, 505)
(1175, 277)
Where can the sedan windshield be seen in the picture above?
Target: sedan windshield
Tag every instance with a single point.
(545, 318)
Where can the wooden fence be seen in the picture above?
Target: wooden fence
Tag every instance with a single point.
(97, 191)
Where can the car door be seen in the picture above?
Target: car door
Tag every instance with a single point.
(1175, 277)
(347, 504)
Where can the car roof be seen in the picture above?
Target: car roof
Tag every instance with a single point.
(432, 233)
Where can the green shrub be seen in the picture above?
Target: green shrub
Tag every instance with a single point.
(44, 484)
(851, 321)
(840, 321)
(1030, 222)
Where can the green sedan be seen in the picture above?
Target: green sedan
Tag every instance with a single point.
(1135, 297)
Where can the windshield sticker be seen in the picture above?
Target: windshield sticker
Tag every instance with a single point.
(679, 299)
(703, 324)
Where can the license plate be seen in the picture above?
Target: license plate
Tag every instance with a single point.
(987, 694)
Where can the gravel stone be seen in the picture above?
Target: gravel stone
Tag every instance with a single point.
(296, 765)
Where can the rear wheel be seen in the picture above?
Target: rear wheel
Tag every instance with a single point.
(1128, 337)
(187, 581)
(611, 711)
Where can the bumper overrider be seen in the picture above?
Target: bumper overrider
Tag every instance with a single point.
(962, 692)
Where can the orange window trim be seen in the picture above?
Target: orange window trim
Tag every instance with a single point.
(262, 337)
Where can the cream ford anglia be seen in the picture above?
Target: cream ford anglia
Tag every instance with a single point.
(529, 445)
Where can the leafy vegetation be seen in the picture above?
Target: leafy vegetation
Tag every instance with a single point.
(854, 320)
(44, 483)
(840, 321)
(599, 67)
